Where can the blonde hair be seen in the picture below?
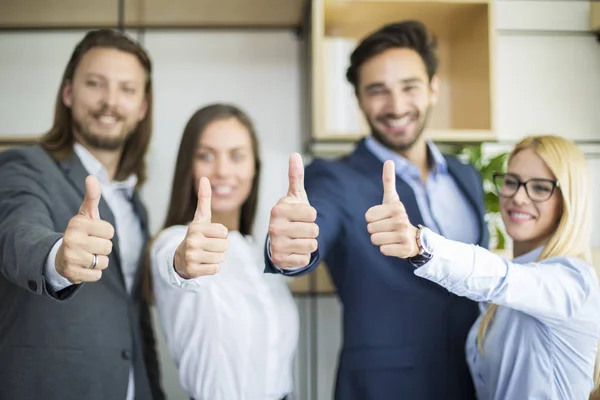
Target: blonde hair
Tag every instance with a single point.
(573, 233)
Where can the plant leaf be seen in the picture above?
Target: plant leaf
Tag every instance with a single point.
(491, 203)
(476, 156)
(501, 240)
(496, 164)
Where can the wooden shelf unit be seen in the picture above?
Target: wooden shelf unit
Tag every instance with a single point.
(7, 141)
(595, 16)
(322, 282)
(85, 14)
(466, 42)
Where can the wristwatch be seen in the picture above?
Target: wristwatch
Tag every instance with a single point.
(425, 251)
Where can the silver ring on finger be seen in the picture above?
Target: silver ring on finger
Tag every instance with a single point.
(94, 261)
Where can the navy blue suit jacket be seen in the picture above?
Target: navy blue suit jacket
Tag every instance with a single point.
(403, 337)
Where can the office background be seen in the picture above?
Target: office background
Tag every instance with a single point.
(547, 79)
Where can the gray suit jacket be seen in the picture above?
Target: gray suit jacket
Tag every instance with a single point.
(77, 343)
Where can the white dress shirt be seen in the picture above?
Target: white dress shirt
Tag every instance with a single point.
(233, 335)
(128, 228)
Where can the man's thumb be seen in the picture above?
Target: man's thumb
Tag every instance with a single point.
(91, 200)
(390, 195)
(296, 177)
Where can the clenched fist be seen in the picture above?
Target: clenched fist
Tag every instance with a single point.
(87, 240)
(203, 249)
(388, 223)
(292, 228)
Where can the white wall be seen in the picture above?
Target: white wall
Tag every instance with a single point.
(258, 71)
(548, 79)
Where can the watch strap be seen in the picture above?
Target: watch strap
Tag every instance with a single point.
(424, 254)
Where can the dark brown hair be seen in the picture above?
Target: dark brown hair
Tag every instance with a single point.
(59, 140)
(184, 198)
(406, 34)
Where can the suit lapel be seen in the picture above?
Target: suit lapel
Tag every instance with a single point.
(143, 216)
(76, 173)
(469, 187)
(366, 163)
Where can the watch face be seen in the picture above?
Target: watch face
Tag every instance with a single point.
(425, 249)
(425, 252)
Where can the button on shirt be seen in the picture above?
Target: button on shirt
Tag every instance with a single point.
(444, 207)
(118, 196)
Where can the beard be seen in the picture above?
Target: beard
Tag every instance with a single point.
(401, 146)
(102, 141)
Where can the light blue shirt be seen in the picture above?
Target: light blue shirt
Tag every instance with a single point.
(543, 340)
(444, 207)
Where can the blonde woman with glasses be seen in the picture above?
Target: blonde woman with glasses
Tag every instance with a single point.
(537, 336)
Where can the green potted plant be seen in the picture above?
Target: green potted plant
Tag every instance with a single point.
(487, 167)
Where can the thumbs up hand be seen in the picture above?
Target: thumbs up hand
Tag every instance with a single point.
(205, 243)
(86, 243)
(292, 228)
(388, 223)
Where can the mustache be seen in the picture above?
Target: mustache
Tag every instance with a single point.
(105, 110)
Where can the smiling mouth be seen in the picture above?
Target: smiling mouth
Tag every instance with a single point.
(519, 216)
(222, 190)
(398, 124)
(107, 120)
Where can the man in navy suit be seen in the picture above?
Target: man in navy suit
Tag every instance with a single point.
(403, 337)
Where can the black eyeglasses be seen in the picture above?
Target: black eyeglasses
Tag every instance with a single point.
(537, 189)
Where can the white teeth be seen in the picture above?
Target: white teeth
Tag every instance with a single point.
(223, 190)
(520, 216)
(108, 120)
(398, 123)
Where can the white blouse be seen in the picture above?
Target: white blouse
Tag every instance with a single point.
(233, 335)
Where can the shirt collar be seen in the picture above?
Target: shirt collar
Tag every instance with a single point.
(439, 164)
(94, 167)
(531, 256)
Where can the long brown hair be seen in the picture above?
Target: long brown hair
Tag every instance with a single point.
(59, 140)
(184, 198)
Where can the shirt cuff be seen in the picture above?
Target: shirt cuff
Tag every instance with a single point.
(57, 281)
(453, 266)
(178, 281)
(293, 269)
(174, 278)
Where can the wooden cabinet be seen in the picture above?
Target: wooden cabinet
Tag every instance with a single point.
(595, 16)
(27, 14)
(465, 32)
(32, 14)
(221, 13)
(7, 143)
(317, 282)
